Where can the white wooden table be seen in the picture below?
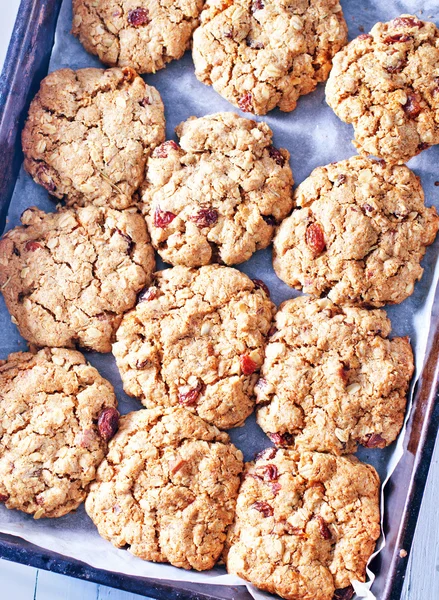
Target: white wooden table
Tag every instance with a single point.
(18, 582)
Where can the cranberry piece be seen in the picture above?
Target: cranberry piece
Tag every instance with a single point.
(396, 68)
(276, 155)
(254, 44)
(141, 364)
(260, 285)
(364, 36)
(138, 17)
(346, 593)
(245, 102)
(4, 497)
(397, 38)
(190, 398)
(162, 218)
(266, 454)
(257, 5)
(423, 146)
(367, 207)
(412, 107)
(32, 246)
(373, 440)
(127, 238)
(281, 439)
(275, 487)
(264, 508)
(340, 180)
(145, 102)
(248, 366)
(315, 239)
(406, 22)
(162, 150)
(108, 423)
(147, 294)
(266, 473)
(323, 528)
(205, 217)
(44, 178)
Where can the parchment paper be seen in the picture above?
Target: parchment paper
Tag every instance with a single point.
(314, 136)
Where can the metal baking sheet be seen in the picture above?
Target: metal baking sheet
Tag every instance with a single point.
(314, 136)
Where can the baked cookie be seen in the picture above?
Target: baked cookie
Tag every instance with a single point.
(219, 195)
(331, 379)
(167, 488)
(260, 54)
(67, 277)
(359, 234)
(56, 416)
(196, 338)
(306, 524)
(89, 133)
(142, 34)
(386, 84)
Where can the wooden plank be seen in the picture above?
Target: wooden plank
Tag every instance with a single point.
(52, 586)
(106, 593)
(17, 581)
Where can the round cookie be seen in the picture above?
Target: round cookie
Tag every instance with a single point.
(260, 54)
(142, 34)
(306, 524)
(331, 379)
(196, 338)
(89, 133)
(219, 195)
(67, 277)
(386, 84)
(167, 488)
(359, 233)
(56, 416)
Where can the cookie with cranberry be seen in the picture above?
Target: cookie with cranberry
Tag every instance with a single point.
(219, 195)
(56, 416)
(89, 132)
(306, 524)
(68, 277)
(260, 54)
(142, 34)
(332, 379)
(167, 488)
(196, 339)
(359, 234)
(386, 83)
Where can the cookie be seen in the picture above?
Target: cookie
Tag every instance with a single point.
(331, 379)
(89, 133)
(196, 339)
(219, 195)
(260, 54)
(142, 34)
(306, 524)
(167, 488)
(386, 83)
(56, 416)
(67, 277)
(359, 233)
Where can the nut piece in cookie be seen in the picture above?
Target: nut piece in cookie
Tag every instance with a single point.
(332, 379)
(68, 277)
(265, 53)
(167, 488)
(196, 339)
(313, 532)
(142, 34)
(89, 132)
(217, 196)
(50, 442)
(358, 235)
(386, 83)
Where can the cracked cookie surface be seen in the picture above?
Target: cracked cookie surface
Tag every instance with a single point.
(196, 338)
(52, 405)
(67, 277)
(167, 488)
(89, 133)
(306, 524)
(359, 233)
(142, 34)
(260, 54)
(331, 379)
(219, 195)
(386, 83)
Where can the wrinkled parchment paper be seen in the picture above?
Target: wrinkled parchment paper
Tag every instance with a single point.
(314, 136)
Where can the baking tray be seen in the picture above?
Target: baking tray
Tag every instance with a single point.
(25, 66)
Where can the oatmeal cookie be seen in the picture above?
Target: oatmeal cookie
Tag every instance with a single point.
(219, 195)
(89, 133)
(386, 83)
(56, 416)
(306, 524)
(196, 338)
(142, 34)
(260, 54)
(67, 277)
(331, 379)
(359, 235)
(167, 488)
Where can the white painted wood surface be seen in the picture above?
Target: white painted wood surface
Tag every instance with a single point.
(18, 582)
